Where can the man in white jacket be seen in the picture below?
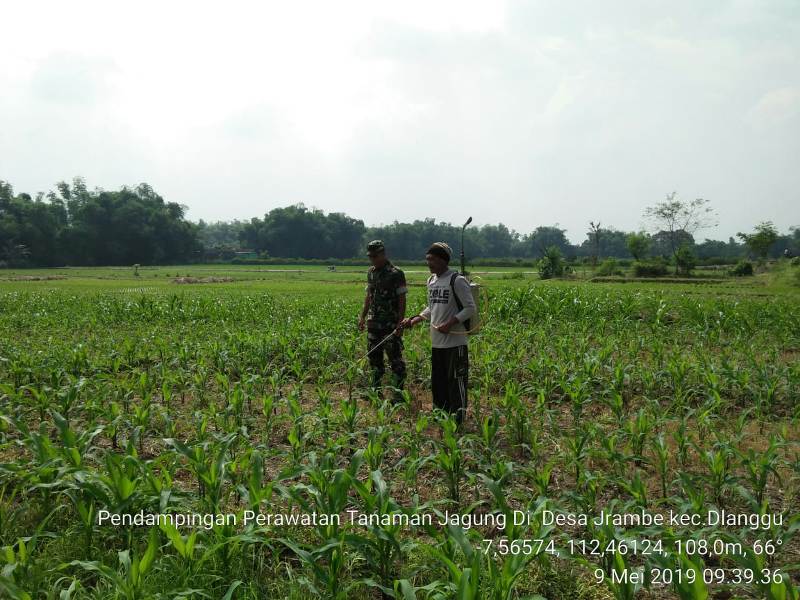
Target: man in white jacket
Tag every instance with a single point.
(450, 304)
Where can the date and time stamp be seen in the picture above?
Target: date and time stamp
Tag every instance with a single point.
(655, 573)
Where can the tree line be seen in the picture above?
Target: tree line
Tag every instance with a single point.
(77, 226)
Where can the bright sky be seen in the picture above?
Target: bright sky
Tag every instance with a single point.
(528, 113)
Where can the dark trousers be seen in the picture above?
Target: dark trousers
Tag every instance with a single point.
(393, 348)
(449, 379)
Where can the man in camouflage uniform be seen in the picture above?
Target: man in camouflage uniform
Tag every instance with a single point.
(384, 308)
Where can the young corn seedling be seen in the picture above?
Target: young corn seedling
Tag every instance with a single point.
(69, 396)
(74, 446)
(142, 414)
(490, 425)
(209, 466)
(504, 573)
(412, 462)
(377, 438)
(517, 420)
(638, 429)
(637, 489)
(115, 421)
(41, 396)
(167, 392)
(256, 488)
(758, 468)
(324, 408)
(268, 409)
(348, 408)
(297, 434)
(616, 459)
(129, 581)
(615, 564)
(169, 427)
(577, 389)
(450, 458)
(496, 480)
(766, 393)
(325, 494)
(21, 568)
(719, 476)
(185, 546)
(235, 406)
(616, 402)
(536, 444)
(297, 440)
(45, 470)
(542, 479)
(579, 448)
(661, 462)
(683, 442)
(464, 582)
(679, 370)
(384, 547)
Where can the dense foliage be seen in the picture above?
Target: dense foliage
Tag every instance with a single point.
(82, 227)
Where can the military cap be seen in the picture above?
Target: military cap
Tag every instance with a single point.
(375, 246)
(440, 249)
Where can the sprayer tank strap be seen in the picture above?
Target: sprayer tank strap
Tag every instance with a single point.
(459, 304)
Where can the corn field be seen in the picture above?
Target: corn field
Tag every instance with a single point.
(234, 402)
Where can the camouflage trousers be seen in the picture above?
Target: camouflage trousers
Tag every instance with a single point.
(393, 347)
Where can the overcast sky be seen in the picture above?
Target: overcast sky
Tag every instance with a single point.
(528, 113)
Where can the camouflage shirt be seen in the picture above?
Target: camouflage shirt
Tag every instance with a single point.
(385, 286)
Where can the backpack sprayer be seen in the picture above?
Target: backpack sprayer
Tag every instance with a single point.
(473, 324)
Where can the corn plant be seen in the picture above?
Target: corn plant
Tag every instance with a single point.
(683, 442)
(542, 478)
(464, 581)
(74, 445)
(638, 429)
(717, 462)
(517, 420)
(324, 408)
(413, 460)
(661, 454)
(209, 464)
(185, 546)
(490, 425)
(384, 547)
(129, 581)
(377, 440)
(579, 448)
(758, 468)
(450, 458)
(504, 573)
(615, 565)
(349, 412)
(69, 395)
(325, 494)
(22, 568)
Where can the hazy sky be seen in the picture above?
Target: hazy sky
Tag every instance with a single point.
(529, 113)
